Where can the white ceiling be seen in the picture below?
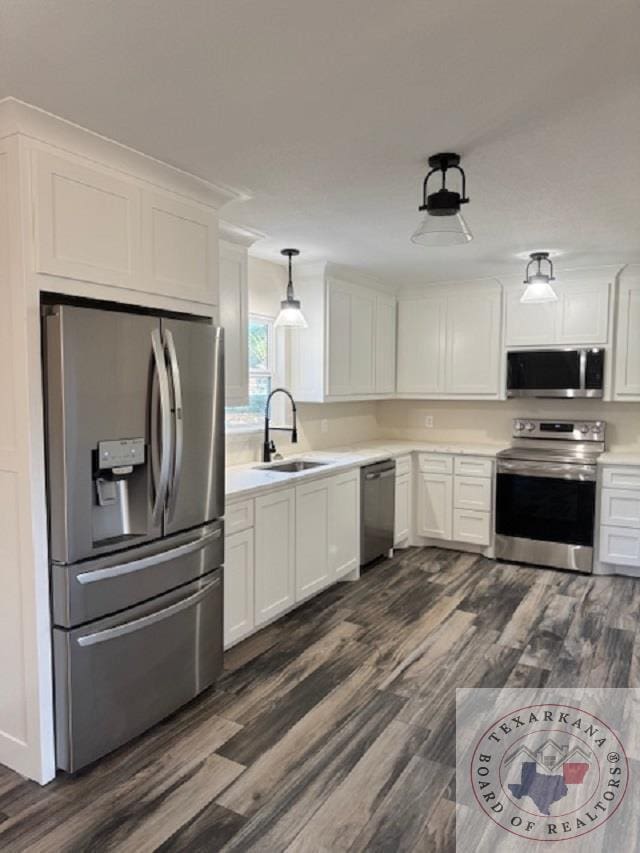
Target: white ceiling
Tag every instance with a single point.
(326, 111)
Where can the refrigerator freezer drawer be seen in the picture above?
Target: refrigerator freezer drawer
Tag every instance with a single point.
(95, 588)
(117, 677)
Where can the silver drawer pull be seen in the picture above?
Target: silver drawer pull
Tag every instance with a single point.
(145, 621)
(146, 562)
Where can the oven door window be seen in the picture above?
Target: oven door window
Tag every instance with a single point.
(545, 508)
(544, 370)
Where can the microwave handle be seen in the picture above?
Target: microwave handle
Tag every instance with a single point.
(583, 369)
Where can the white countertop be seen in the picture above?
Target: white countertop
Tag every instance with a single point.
(248, 480)
(620, 457)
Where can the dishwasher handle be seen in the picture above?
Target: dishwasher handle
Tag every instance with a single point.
(380, 475)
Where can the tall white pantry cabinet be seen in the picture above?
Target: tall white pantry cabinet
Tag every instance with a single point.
(83, 216)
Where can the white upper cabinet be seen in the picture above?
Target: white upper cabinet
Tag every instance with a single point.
(87, 222)
(449, 342)
(349, 349)
(385, 345)
(180, 239)
(234, 318)
(473, 344)
(352, 334)
(627, 352)
(421, 345)
(100, 225)
(580, 316)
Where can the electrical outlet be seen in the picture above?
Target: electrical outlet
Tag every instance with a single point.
(428, 421)
(324, 425)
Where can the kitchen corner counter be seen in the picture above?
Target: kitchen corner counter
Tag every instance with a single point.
(620, 457)
(251, 479)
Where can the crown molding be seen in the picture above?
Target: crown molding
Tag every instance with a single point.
(18, 117)
(239, 234)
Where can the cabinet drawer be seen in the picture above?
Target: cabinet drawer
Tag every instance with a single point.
(238, 516)
(472, 493)
(403, 465)
(435, 463)
(471, 526)
(621, 478)
(620, 546)
(473, 466)
(621, 508)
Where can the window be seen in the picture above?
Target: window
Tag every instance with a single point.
(261, 373)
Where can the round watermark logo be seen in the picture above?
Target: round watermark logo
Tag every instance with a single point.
(549, 772)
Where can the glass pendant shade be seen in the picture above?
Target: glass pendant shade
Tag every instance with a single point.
(442, 231)
(538, 287)
(290, 315)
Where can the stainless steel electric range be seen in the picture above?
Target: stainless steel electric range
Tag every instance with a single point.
(546, 493)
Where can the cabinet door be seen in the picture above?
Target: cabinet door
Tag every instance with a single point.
(385, 345)
(583, 314)
(234, 319)
(238, 587)
(421, 345)
(363, 333)
(274, 554)
(312, 538)
(473, 345)
(87, 223)
(344, 528)
(435, 504)
(339, 341)
(621, 508)
(529, 324)
(620, 546)
(180, 240)
(403, 510)
(627, 364)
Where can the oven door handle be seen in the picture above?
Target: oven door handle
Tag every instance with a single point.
(582, 473)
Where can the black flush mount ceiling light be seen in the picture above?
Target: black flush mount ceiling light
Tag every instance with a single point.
(443, 224)
(538, 284)
(290, 314)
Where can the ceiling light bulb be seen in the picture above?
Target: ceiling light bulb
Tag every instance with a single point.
(538, 287)
(290, 314)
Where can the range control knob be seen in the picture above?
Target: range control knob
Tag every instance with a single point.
(529, 426)
(519, 426)
(597, 427)
(584, 428)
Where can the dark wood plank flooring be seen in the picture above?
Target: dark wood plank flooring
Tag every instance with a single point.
(334, 729)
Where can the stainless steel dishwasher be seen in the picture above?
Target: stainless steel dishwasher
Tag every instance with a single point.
(377, 509)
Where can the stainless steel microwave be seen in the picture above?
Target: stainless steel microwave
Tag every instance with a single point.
(555, 373)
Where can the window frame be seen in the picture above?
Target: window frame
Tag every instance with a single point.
(269, 371)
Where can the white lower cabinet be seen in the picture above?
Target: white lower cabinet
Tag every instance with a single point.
(312, 538)
(471, 526)
(620, 517)
(238, 587)
(455, 506)
(620, 546)
(344, 523)
(435, 504)
(275, 547)
(402, 525)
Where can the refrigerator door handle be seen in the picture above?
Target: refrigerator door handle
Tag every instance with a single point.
(162, 475)
(145, 621)
(151, 560)
(174, 484)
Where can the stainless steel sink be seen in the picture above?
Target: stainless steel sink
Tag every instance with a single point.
(292, 466)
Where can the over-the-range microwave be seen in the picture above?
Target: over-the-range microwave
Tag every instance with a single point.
(555, 373)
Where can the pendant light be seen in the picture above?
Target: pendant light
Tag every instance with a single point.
(443, 224)
(538, 285)
(290, 314)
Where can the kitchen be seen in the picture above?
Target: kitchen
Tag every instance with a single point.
(464, 504)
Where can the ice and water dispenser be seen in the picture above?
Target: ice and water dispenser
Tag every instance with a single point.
(120, 497)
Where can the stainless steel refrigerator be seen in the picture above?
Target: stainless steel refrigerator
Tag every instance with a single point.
(135, 477)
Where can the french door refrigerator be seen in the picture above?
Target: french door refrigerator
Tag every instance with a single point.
(135, 476)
